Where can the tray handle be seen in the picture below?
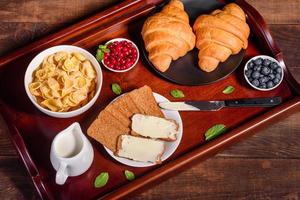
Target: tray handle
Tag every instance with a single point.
(29, 164)
(259, 27)
(21, 148)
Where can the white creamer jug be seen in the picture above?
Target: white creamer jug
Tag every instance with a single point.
(71, 153)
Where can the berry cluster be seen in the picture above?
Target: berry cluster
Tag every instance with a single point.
(122, 55)
(263, 73)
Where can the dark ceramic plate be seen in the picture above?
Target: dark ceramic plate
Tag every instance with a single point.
(185, 70)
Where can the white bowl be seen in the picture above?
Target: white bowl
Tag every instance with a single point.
(38, 59)
(125, 70)
(263, 57)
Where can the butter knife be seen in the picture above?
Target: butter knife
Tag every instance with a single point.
(217, 105)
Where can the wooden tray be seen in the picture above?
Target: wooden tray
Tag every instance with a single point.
(32, 132)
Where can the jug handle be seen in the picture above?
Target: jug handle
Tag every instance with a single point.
(61, 174)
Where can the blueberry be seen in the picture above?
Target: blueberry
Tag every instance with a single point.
(250, 79)
(262, 80)
(270, 84)
(278, 76)
(258, 61)
(276, 81)
(273, 65)
(258, 68)
(266, 79)
(250, 65)
(266, 62)
(271, 76)
(261, 75)
(263, 86)
(265, 70)
(271, 71)
(255, 75)
(278, 70)
(248, 73)
(255, 82)
(255, 68)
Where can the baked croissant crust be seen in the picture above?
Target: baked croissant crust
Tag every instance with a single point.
(168, 35)
(219, 35)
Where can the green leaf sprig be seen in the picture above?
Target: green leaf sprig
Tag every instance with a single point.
(102, 49)
(214, 131)
(129, 175)
(177, 93)
(101, 180)
(116, 88)
(228, 90)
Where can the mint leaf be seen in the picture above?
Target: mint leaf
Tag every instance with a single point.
(228, 90)
(177, 93)
(102, 49)
(106, 50)
(101, 180)
(99, 55)
(214, 131)
(102, 46)
(116, 88)
(129, 175)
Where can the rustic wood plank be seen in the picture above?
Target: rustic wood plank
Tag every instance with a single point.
(212, 179)
(278, 11)
(6, 147)
(57, 11)
(288, 39)
(233, 178)
(15, 183)
(280, 140)
(296, 73)
(14, 35)
(25, 21)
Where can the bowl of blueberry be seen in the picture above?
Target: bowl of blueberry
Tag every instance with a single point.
(263, 73)
(118, 55)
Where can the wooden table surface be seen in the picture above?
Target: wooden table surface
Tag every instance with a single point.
(266, 166)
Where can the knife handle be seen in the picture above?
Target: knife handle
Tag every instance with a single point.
(256, 102)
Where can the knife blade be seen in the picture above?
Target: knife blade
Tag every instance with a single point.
(217, 105)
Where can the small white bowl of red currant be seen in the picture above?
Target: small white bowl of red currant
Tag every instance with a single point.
(118, 55)
(263, 73)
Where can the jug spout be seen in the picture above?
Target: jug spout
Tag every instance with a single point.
(70, 141)
(76, 130)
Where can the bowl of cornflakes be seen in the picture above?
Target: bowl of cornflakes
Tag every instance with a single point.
(63, 81)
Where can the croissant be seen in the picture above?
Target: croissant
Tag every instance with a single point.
(168, 35)
(219, 35)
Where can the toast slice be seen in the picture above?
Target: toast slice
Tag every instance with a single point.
(140, 149)
(106, 130)
(123, 109)
(115, 119)
(154, 127)
(145, 101)
(114, 110)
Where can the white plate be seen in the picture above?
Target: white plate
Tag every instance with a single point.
(170, 146)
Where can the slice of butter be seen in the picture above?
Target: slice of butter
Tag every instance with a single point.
(154, 127)
(140, 149)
